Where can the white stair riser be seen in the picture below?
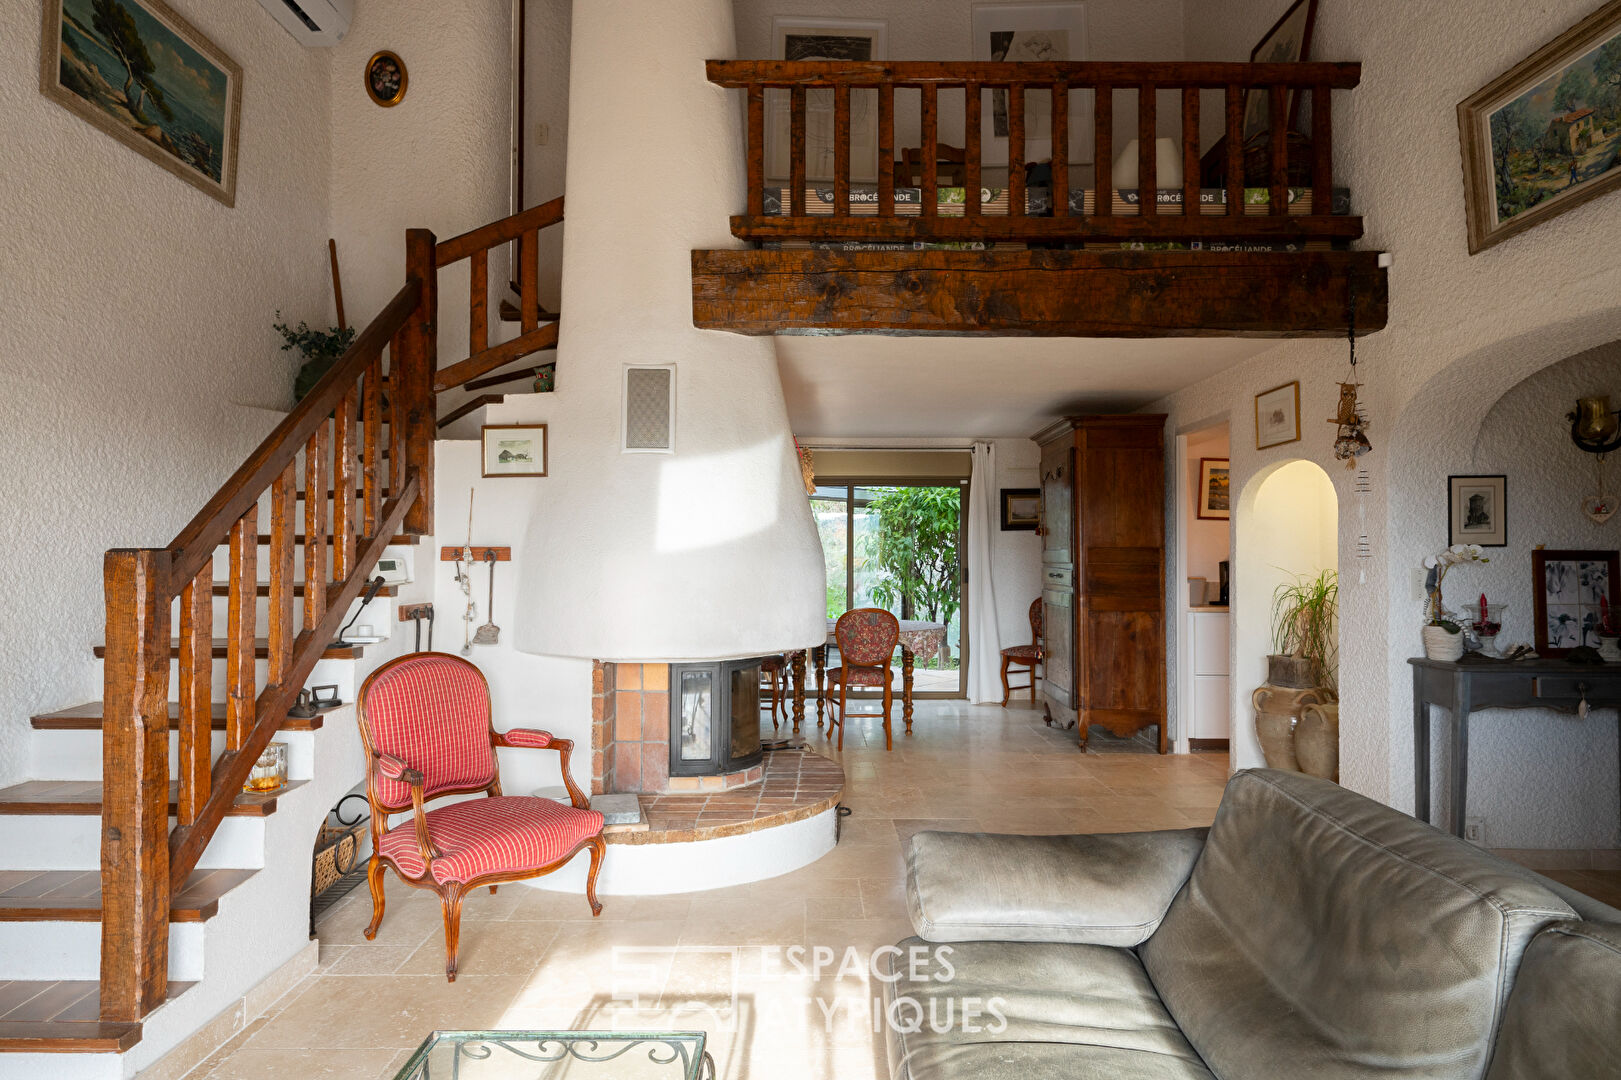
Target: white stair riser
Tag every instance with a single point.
(76, 755)
(73, 842)
(62, 1066)
(327, 672)
(72, 950)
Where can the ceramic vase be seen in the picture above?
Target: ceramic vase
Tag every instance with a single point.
(1609, 647)
(1317, 740)
(1277, 711)
(1440, 645)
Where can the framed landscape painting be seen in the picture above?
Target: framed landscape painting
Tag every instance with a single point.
(1543, 137)
(1572, 591)
(145, 76)
(1215, 489)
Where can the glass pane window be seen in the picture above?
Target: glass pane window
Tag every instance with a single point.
(697, 715)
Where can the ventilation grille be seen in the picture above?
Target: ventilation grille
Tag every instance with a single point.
(650, 408)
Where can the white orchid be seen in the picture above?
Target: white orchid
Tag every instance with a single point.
(1438, 565)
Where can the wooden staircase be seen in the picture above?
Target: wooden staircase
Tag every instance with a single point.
(254, 551)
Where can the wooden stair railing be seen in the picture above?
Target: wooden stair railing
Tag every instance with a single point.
(1151, 221)
(482, 357)
(336, 427)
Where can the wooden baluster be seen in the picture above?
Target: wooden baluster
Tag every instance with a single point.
(315, 546)
(371, 429)
(240, 686)
(1322, 150)
(796, 151)
(478, 301)
(1190, 152)
(841, 150)
(971, 150)
(416, 410)
(1103, 151)
(528, 287)
(343, 486)
(931, 140)
(1060, 113)
(1148, 150)
(283, 522)
(135, 792)
(755, 155)
(886, 150)
(1015, 150)
(196, 669)
(1280, 150)
(396, 429)
(1235, 150)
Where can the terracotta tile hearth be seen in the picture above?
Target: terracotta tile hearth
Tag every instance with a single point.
(630, 735)
(795, 784)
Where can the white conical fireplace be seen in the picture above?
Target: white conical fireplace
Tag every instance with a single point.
(705, 547)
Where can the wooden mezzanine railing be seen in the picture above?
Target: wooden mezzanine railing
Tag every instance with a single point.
(333, 439)
(1231, 220)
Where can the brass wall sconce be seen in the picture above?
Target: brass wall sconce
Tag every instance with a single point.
(1595, 428)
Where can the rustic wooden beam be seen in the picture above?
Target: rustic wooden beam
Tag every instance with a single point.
(1038, 293)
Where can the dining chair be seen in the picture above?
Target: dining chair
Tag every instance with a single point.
(866, 639)
(425, 723)
(1025, 657)
(774, 674)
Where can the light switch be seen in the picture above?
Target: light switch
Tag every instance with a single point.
(543, 134)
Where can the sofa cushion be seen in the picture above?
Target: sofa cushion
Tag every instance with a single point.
(1046, 1012)
(1564, 1013)
(1323, 934)
(1104, 889)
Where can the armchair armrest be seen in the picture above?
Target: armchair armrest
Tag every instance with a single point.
(1104, 889)
(526, 738)
(396, 769)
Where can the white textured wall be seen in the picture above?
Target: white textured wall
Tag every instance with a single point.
(137, 320)
(709, 551)
(546, 48)
(1015, 556)
(1462, 331)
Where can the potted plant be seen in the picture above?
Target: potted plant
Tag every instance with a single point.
(1443, 633)
(1301, 670)
(321, 349)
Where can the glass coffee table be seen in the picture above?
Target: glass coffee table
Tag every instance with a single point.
(553, 1055)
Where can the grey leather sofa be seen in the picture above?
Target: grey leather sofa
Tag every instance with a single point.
(1310, 932)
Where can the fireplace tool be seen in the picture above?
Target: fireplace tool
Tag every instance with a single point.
(489, 633)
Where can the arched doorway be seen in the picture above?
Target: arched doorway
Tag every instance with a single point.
(1285, 525)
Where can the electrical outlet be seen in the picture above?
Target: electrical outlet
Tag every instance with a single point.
(1474, 831)
(543, 134)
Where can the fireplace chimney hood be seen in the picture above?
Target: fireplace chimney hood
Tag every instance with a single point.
(669, 527)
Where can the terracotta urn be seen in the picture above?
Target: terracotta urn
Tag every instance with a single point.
(1317, 740)
(1277, 711)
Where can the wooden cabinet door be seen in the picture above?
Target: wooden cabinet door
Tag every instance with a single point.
(1058, 570)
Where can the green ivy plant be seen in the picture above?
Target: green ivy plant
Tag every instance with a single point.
(321, 349)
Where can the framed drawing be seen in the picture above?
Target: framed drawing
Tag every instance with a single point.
(1477, 510)
(148, 78)
(1277, 416)
(1215, 491)
(1023, 32)
(1538, 140)
(514, 449)
(386, 79)
(1021, 509)
(1572, 591)
(796, 38)
(1288, 42)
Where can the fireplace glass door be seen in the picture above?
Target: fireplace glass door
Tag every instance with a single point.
(715, 710)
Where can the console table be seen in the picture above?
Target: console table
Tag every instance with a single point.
(1461, 686)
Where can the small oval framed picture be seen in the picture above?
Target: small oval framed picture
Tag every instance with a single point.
(386, 78)
(1477, 510)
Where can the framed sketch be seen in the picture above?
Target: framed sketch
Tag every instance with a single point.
(1021, 509)
(1477, 510)
(386, 79)
(1572, 590)
(148, 78)
(1288, 42)
(1541, 138)
(1032, 32)
(1277, 416)
(514, 449)
(1215, 489)
(796, 38)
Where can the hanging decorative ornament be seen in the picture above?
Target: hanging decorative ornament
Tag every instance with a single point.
(807, 467)
(1364, 546)
(1351, 439)
(1596, 430)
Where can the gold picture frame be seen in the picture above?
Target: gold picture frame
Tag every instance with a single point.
(191, 87)
(386, 78)
(1530, 134)
(1277, 416)
(512, 450)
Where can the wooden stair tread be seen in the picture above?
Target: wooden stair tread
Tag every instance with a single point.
(83, 797)
(68, 1036)
(223, 588)
(261, 650)
(89, 716)
(75, 895)
(510, 313)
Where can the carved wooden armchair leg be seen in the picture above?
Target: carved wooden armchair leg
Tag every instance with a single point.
(599, 849)
(374, 878)
(452, 897)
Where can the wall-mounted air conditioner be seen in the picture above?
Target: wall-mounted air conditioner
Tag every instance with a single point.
(313, 22)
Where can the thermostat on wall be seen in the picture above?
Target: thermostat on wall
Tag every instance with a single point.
(394, 567)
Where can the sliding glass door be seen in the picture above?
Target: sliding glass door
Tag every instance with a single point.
(899, 546)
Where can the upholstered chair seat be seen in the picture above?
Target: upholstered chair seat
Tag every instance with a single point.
(504, 834)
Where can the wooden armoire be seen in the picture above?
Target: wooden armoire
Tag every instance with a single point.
(1103, 572)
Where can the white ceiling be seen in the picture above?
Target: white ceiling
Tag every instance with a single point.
(921, 387)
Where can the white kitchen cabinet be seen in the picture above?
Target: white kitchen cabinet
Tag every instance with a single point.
(1210, 701)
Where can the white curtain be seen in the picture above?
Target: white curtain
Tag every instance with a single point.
(984, 639)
